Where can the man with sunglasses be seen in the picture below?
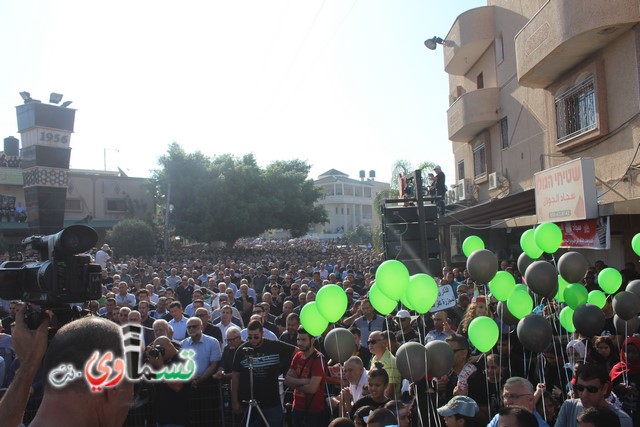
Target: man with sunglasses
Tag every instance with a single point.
(270, 360)
(592, 385)
(518, 391)
(207, 356)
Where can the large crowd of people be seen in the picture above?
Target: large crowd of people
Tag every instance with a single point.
(238, 311)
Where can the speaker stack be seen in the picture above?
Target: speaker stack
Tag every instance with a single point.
(411, 236)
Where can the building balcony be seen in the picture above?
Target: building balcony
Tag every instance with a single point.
(565, 32)
(470, 36)
(472, 113)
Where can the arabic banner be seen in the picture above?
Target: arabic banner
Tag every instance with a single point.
(566, 192)
(446, 299)
(586, 234)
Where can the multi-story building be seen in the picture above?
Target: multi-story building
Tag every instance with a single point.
(97, 198)
(535, 84)
(348, 202)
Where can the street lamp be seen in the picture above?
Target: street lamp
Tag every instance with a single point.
(167, 210)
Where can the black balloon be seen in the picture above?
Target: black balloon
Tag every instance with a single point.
(542, 278)
(411, 360)
(589, 320)
(505, 314)
(573, 266)
(339, 344)
(482, 265)
(626, 305)
(523, 262)
(439, 358)
(534, 332)
(628, 327)
(634, 287)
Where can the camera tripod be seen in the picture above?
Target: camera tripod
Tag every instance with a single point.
(252, 402)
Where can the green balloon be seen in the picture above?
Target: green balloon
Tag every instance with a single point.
(520, 304)
(529, 245)
(521, 287)
(502, 285)
(472, 244)
(566, 319)
(483, 333)
(393, 279)
(562, 285)
(312, 320)
(597, 298)
(405, 300)
(379, 301)
(635, 244)
(575, 295)
(548, 237)
(610, 280)
(332, 302)
(422, 292)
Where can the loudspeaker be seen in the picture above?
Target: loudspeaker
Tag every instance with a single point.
(432, 267)
(400, 214)
(402, 232)
(407, 249)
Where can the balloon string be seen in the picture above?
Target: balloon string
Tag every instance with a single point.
(557, 325)
(326, 384)
(437, 405)
(415, 393)
(509, 345)
(486, 379)
(542, 360)
(625, 373)
(386, 320)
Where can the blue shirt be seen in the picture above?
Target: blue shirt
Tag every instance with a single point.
(541, 421)
(207, 352)
(434, 335)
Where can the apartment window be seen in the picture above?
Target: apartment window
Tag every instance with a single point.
(117, 205)
(336, 210)
(480, 81)
(504, 132)
(461, 174)
(73, 205)
(576, 110)
(479, 160)
(367, 192)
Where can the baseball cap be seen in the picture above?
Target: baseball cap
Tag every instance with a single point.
(403, 314)
(461, 405)
(578, 346)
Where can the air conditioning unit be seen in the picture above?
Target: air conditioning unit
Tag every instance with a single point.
(463, 194)
(452, 195)
(493, 181)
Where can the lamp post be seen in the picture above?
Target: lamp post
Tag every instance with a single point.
(167, 210)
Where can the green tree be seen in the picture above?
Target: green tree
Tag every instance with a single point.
(361, 235)
(132, 237)
(226, 197)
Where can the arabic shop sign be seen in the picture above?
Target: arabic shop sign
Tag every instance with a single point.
(103, 370)
(567, 192)
(446, 299)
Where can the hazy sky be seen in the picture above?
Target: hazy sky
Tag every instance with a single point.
(344, 84)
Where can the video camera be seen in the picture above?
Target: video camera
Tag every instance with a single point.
(63, 274)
